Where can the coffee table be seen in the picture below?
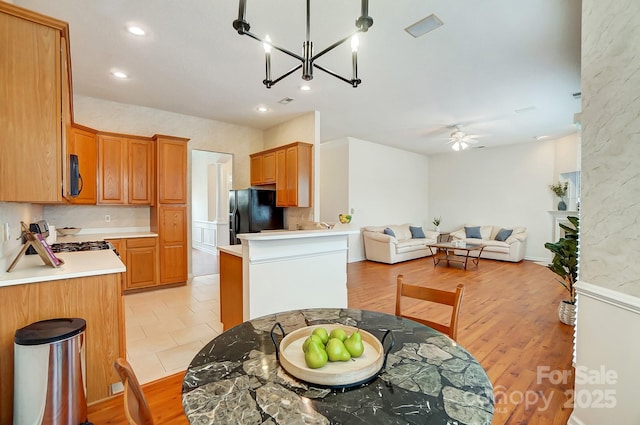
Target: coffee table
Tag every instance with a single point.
(446, 251)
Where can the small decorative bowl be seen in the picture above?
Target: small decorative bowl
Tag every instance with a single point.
(344, 218)
(68, 231)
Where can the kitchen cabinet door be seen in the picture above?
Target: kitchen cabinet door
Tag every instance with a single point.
(140, 172)
(125, 170)
(171, 154)
(142, 263)
(84, 144)
(263, 168)
(172, 232)
(112, 170)
(32, 160)
(256, 169)
(281, 178)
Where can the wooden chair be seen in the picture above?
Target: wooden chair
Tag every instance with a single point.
(136, 408)
(453, 299)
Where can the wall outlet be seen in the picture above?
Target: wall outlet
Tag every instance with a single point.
(353, 210)
(107, 218)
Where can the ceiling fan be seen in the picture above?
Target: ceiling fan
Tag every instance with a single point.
(461, 140)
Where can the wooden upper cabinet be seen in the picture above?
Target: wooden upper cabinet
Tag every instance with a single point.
(125, 170)
(171, 158)
(263, 168)
(281, 178)
(112, 169)
(141, 171)
(84, 144)
(290, 167)
(33, 54)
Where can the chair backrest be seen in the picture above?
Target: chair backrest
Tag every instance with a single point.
(136, 408)
(453, 299)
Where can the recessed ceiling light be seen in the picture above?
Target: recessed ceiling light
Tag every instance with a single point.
(262, 109)
(119, 74)
(305, 87)
(136, 30)
(541, 137)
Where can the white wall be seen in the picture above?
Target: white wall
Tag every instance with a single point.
(385, 186)
(609, 289)
(505, 186)
(334, 180)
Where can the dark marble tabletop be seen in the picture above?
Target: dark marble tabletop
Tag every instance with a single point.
(428, 378)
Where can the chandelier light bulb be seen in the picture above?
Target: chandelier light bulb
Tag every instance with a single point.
(267, 45)
(355, 42)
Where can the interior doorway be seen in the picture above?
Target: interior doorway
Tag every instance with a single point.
(211, 180)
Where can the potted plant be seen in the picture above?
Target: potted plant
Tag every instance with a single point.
(436, 222)
(560, 189)
(565, 265)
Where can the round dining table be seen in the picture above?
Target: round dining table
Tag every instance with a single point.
(427, 377)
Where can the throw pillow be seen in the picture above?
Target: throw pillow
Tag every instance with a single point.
(503, 234)
(389, 232)
(473, 232)
(417, 232)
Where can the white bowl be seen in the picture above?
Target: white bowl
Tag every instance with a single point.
(68, 231)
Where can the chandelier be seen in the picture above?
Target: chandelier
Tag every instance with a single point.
(308, 59)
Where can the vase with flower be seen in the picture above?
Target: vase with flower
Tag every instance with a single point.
(560, 189)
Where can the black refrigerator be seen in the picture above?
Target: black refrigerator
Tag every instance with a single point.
(253, 210)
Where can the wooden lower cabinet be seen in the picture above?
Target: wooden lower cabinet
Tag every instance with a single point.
(96, 299)
(142, 263)
(140, 256)
(231, 312)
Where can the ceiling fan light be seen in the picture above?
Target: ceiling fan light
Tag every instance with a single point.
(464, 145)
(456, 146)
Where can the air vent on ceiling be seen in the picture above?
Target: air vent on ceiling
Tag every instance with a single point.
(285, 100)
(424, 26)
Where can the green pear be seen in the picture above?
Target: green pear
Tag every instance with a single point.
(307, 341)
(354, 344)
(338, 333)
(322, 334)
(336, 350)
(315, 356)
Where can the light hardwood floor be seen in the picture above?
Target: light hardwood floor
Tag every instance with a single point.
(508, 321)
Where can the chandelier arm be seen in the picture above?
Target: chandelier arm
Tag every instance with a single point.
(336, 44)
(285, 51)
(286, 74)
(352, 82)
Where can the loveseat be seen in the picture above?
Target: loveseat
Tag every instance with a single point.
(506, 244)
(394, 243)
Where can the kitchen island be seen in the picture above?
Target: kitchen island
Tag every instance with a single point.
(88, 286)
(281, 271)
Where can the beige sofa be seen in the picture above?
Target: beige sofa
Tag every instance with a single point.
(511, 249)
(384, 248)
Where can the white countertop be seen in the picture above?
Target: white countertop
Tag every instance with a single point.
(31, 268)
(103, 236)
(296, 234)
(232, 249)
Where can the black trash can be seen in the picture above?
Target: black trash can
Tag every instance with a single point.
(49, 373)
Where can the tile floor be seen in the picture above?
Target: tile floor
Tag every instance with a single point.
(167, 327)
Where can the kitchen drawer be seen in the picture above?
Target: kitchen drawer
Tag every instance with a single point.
(141, 242)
